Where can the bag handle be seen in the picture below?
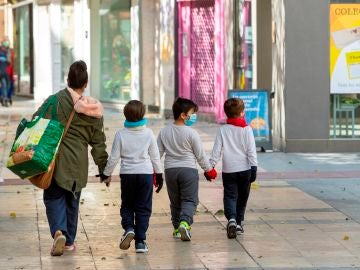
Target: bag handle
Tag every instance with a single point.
(51, 102)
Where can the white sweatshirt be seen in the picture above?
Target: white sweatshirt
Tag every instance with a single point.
(238, 147)
(138, 152)
(183, 147)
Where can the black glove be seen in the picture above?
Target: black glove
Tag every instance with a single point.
(159, 182)
(207, 177)
(104, 179)
(253, 173)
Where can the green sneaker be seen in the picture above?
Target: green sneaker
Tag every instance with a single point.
(184, 230)
(176, 234)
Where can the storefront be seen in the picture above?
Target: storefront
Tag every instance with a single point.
(200, 54)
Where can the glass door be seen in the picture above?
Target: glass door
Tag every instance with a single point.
(115, 50)
(23, 50)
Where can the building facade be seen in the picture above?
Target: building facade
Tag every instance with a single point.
(199, 49)
(115, 39)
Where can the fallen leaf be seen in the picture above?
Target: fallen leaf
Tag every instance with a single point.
(255, 185)
(106, 204)
(219, 212)
(346, 237)
(13, 215)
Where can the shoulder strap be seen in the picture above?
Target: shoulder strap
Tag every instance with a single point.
(68, 123)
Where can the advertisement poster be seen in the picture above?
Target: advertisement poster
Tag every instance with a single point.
(344, 48)
(256, 112)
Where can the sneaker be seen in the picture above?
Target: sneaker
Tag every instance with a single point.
(239, 229)
(141, 247)
(176, 234)
(70, 247)
(184, 230)
(231, 229)
(59, 244)
(126, 239)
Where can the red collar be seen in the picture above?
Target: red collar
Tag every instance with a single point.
(238, 122)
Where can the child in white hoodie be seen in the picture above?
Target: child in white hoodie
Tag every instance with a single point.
(236, 141)
(137, 148)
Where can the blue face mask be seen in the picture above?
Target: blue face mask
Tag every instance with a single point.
(192, 120)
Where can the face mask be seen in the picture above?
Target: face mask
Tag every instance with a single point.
(5, 44)
(192, 120)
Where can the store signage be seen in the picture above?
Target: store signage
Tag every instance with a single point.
(344, 48)
(257, 114)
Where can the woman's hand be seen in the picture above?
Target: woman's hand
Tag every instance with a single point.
(104, 179)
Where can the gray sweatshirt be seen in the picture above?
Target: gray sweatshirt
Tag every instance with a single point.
(182, 147)
(138, 152)
(238, 147)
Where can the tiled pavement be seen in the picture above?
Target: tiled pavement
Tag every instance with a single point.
(297, 222)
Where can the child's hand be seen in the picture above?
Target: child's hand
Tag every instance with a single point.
(158, 182)
(210, 175)
(253, 173)
(104, 179)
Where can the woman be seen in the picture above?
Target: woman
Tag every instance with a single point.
(61, 199)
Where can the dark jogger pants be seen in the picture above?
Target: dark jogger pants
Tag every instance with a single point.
(236, 194)
(136, 203)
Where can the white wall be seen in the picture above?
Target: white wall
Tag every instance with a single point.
(43, 77)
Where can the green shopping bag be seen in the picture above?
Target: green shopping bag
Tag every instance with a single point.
(36, 143)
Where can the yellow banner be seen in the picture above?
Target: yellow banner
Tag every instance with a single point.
(344, 48)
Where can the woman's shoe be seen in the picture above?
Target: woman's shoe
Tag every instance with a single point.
(59, 244)
(70, 247)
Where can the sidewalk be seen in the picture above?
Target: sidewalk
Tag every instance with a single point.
(303, 213)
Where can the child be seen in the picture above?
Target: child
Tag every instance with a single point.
(137, 148)
(236, 141)
(183, 148)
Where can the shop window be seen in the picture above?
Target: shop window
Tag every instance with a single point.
(67, 38)
(115, 50)
(243, 44)
(344, 70)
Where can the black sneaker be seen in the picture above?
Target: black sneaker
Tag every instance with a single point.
(141, 247)
(239, 229)
(231, 229)
(126, 239)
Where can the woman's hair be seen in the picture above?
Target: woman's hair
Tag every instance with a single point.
(134, 110)
(183, 105)
(233, 107)
(77, 76)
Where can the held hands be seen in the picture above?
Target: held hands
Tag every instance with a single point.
(158, 182)
(210, 175)
(104, 179)
(253, 174)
